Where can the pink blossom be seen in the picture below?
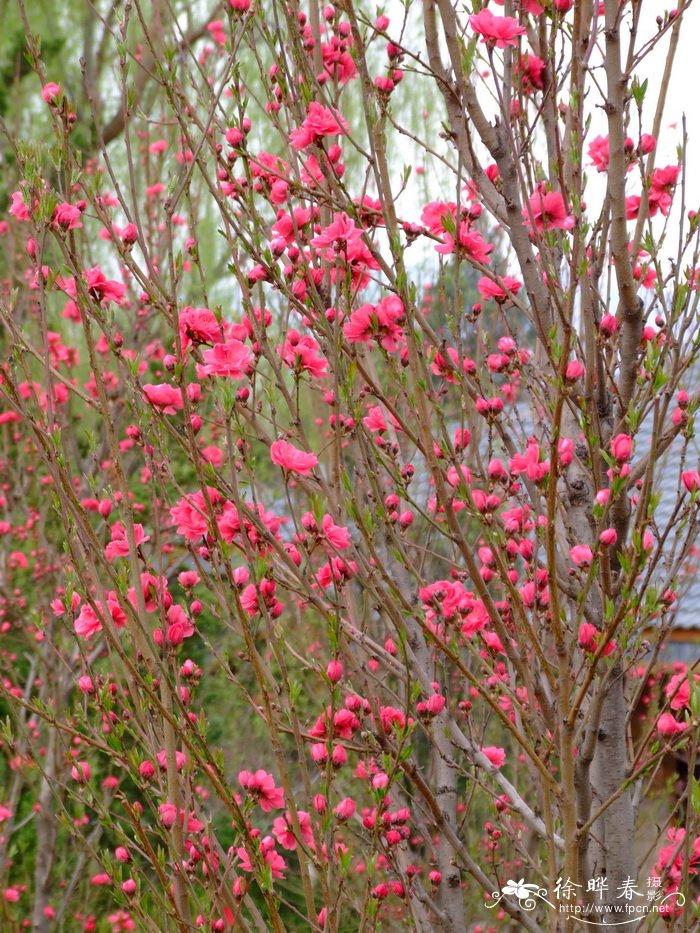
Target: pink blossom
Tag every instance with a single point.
(283, 832)
(581, 555)
(179, 625)
(269, 855)
(261, 786)
(166, 397)
(168, 814)
(199, 325)
(291, 458)
(51, 92)
(574, 370)
(599, 151)
(469, 243)
(662, 184)
(532, 70)
(678, 691)
(190, 513)
(232, 359)
(302, 354)
(337, 535)
(103, 289)
(530, 463)
(119, 545)
(345, 809)
(81, 771)
(691, 480)
(87, 624)
(501, 31)
(374, 420)
(548, 211)
(621, 447)
(609, 324)
(496, 756)
(67, 216)
(18, 208)
(320, 121)
(381, 322)
(488, 288)
(668, 725)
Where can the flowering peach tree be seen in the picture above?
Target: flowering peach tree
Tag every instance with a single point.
(348, 481)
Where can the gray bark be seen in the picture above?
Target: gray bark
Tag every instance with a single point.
(612, 834)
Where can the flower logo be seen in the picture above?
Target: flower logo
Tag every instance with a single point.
(521, 890)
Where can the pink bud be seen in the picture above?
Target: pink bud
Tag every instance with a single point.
(607, 537)
(581, 555)
(51, 92)
(575, 370)
(334, 671)
(609, 324)
(621, 447)
(146, 770)
(691, 480)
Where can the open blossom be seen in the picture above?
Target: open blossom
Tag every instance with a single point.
(291, 458)
(661, 186)
(589, 637)
(668, 725)
(283, 832)
(87, 624)
(190, 514)
(166, 397)
(337, 535)
(469, 243)
(547, 211)
(599, 151)
(232, 359)
(261, 785)
(119, 545)
(302, 354)
(678, 691)
(381, 322)
(198, 325)
(67, 216)
(530, 463)
(18, 208)
(342, 243)
(496, 756)
(269, 855)
(102, 288)
(502, 31)
(488, 288)
(531, 70)
(320, 121)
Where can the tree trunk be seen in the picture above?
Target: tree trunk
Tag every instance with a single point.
(612, 834)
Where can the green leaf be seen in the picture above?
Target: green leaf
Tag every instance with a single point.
(639, 90)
